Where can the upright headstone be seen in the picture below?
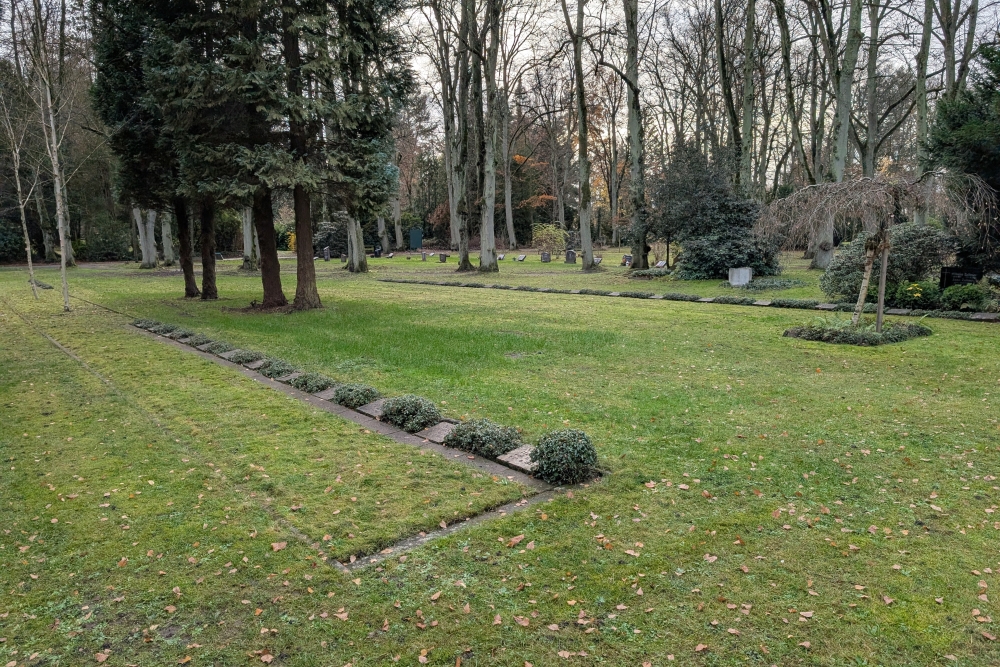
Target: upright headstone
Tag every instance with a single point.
(416, 238)
(378, 251)
(326, 254)
(570, 257)
(546, 257)
(423, 257)
(960, 275)
(741, 276)
(343, 258)
(218, 255)
(443, 257)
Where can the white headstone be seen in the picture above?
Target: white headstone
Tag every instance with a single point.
(741, 276)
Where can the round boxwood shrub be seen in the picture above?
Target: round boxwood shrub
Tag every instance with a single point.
(275, 368)
(410, 413)
(312, 383)
(219, 346)
(965, 297)
(484, 438)
(565, 457)
(355, 395)
(246, 357)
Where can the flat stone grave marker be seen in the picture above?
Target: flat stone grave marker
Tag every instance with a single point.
(571, 257)
(184, 339)
(656, 296)
(614, 294)
(661, 264)
(897, 311)
(826, 306)
(521, 258)
(762, 302)
(546, 257)
(707, 299)
(391, 255)
(204, 348)
(626, 260)
(326, 394)
(574, 291)
(500, 257)
(254, 365)
(373, 409)
(288, 378)
(986, 317)
(598, 260)
(741, 276)
(437, 433)
(519, 459)
(229, 355)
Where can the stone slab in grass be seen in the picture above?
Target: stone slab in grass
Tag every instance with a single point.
(544, 289)
(762, 302)
(898, 311)
(437, 433)
(519, 459)
(185, 339)
(373, 409)
(826, 306)
(574, 291)
(614, 294)
(229, 355)
(288, 378)
(986, 317)
(656, 296)
(707, 299)
(174, 335)
(326, 394)
(254, 365)
(204, 348)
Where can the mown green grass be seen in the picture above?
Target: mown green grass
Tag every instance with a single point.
(709, 397)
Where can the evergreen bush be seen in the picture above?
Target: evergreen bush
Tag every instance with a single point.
(219, 346)
(275, 368)
(410, 413)
(565, 457)
(832, 330)
(312, 383)
(484, 438)
(246, 357)
(355, 395)
(198, 339)
(144, 324)
(923, 295)
(965, 297)
(163, 328)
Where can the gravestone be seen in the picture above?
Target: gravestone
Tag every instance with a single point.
(326, 254)
(390, 255)
(343, 258)
(288, 378)
(570, 257)
(546, 257)
(254, 365)
(626, 260)
(521, 258)
(437, 433)
(373, 409)
(598, 260)
(327, 394)
(443, 257)
(661, 264)
(423, 257)
(218, 255)
(741, 276)
(960, 275)
(519, 459)
(416, 238)
(500, 257)
(378, 251)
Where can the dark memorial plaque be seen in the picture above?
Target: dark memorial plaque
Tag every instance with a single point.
(960, 275)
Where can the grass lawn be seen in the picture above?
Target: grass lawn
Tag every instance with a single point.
(768, 500)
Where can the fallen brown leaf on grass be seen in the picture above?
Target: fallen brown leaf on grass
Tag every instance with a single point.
(700, 647)
(278, 546)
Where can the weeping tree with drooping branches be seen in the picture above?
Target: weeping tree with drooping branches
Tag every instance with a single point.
(876, 204)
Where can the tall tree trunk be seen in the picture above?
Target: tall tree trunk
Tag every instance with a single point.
(726, 83)
(583, 157)
(508, 189)
(786, 68)
(357, 260)
(871, 85)
(845, 91)
(184, 235)
(306, 293)
(270, 270)
(487, 232)
(920, 212)
(151, 235)
(147, 263)
(746, 145)
(52, 148)
(167, 236)
(467, 130)
(250, 257)
(639, 231)
(209, 291)
(397, 222)
(383, 235)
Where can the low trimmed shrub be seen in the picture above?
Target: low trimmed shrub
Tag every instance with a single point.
(410, 413)
(484, 438)
(651, 273)
(674, 296)
(830, 330)
(198, 339)
(246, 357)
(965, 297)
(144, 324)
(636, 295)
(355, 395)
(735, 300)
(763, 284)
(312, 383)
(275, 368)
(220, 346)
(794, 303)
(163, 328)
(924, 295)
(565, 457)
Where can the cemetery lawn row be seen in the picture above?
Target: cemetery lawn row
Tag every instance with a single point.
(776, 501)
